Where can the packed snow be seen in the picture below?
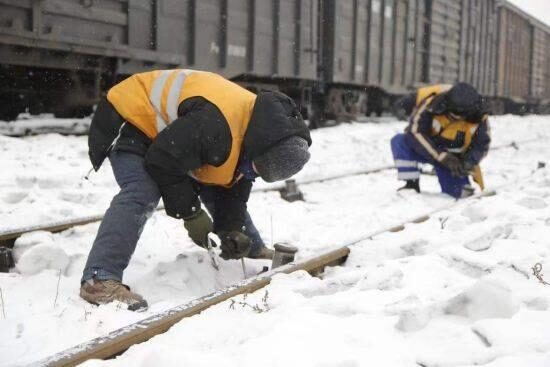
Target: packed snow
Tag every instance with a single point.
(456, 290)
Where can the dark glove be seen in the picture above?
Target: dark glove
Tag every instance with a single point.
(198, 227)
(234, 245)
(467, 168)
(453, 164)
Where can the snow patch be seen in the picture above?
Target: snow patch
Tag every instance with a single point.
(41, 257)
(485, 299)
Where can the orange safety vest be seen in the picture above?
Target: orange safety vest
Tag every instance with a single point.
(150, 102)
(442, 126)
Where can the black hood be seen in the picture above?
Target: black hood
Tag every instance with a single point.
(462, 99)
(275, 117)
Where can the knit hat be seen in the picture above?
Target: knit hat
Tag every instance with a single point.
(283, 160)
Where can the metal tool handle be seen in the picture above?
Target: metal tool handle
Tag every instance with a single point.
(210, 244)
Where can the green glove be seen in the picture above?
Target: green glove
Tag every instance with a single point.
(198, 227)
(235, 245)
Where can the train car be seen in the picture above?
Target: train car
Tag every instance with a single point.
(523, 67)
(61, 55)
(372, 50)
(491, 44)
(409, 43)
(259, 44)
(337, 59)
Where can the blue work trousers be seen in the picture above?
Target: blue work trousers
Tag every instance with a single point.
(407, 160)
(125, 218)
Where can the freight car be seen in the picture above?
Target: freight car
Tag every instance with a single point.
(523, 76)
(337, 59)
(61, 55)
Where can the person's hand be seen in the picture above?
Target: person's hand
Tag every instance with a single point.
(234, 245)
(453, 164)
(198, 227)
(467, 168)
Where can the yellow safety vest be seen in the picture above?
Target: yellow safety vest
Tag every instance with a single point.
(442, 126)
(150, 102)
(447, 129)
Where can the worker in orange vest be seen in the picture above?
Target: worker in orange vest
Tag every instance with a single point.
(184, 135)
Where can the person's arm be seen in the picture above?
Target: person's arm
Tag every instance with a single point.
(479, 147)
(230, 204)
(418, 135)
(201, 136)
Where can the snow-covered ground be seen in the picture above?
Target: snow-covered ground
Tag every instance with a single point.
(32, 125)
(454, 291)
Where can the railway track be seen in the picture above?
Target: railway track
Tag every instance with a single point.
(118, 341)
(8, 237)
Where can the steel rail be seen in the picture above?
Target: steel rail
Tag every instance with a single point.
(9, 236)
(118, 341)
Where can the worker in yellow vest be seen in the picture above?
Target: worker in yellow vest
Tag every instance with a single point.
(184, 135)
(448, 128)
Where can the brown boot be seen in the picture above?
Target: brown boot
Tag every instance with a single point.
(106, 291)
(265, 253)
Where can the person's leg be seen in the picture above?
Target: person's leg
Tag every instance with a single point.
(123, 222)
(454, 186)
(207, 196)
(406, 159)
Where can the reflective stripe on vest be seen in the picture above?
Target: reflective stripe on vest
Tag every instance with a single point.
(165, 94)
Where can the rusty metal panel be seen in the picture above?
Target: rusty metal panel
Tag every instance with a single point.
(345, 41)
(479, 44)
(358, 70)
(412, 43)
(538, 67)
(123, 30)
(344, 23)
(172, 26)
(141, 22)
(445, 41)
(284, 38)
(388, 16)
(209, 42)
(307, 52)
(424, 9)
(237, 37)
(98, 21)
(401, 65)
(375, 40)
(264, 39)
(288, 40)
(491, 45)
(515, 47)
(16, 15)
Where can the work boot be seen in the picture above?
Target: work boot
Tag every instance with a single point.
(411, 185)
(264, 253)
(467, 191)
(106, 291)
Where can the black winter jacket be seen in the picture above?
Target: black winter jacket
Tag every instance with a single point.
(478, 149)
(199, 136)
